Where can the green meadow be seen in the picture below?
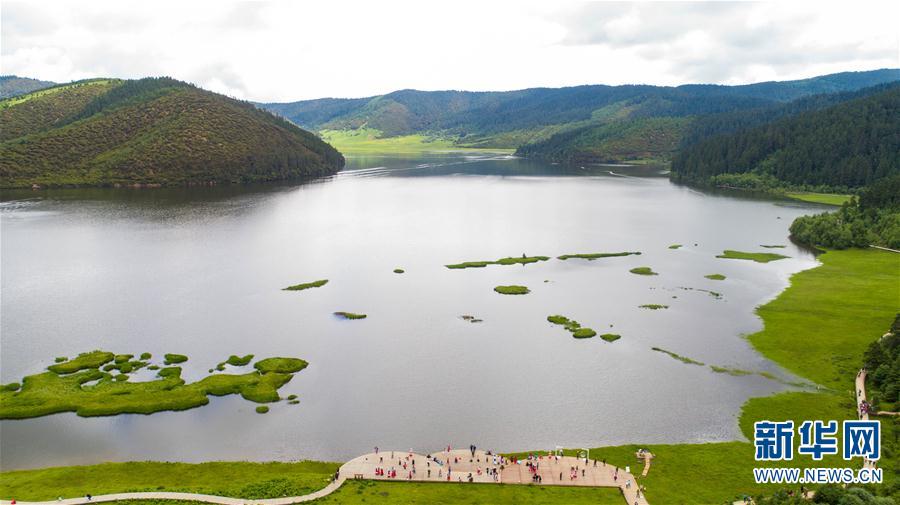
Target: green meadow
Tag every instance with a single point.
(370, 141)
(823, 198)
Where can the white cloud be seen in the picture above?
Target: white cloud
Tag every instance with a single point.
(288, 50)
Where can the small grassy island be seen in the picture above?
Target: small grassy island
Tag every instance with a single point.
(643, 271)
(307, 285)
(653, 306)
(675, 246)
(715, 277)
(512, 290)
(234, 360)
(524, 260)
(174, 359)
(79, 385)
(594, 256)
(350, 315)
(757, 257)
(572, 326)
(399, 271)
(610, 337)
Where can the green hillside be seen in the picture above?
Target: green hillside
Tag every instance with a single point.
(154, 131)
(642, 139)
(567, 124)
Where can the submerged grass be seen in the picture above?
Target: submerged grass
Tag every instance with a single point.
(715, 277)
(524, 260)
(594, 256)
(306, 285)
(653, 306)
(512, 290)
(751, 256)
(683, 359)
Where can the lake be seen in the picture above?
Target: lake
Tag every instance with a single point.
(200, 271)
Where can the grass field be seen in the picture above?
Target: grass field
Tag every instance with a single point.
(823, 198)
(368, 141)
(370, 492)
(238, 479)
(819, 327)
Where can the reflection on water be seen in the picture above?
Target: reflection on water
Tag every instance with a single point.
(199, 271)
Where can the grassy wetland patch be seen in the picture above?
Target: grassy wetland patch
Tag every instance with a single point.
(675, 246)
(82, 387)
(572, 326)
(715, 277)
(350, 315)
(751, 256)
(610, 337)
(643, 271)
(306, 285)
(524, 260)
(512, 290)
(173, 359)
(653, 306)
(594, 256)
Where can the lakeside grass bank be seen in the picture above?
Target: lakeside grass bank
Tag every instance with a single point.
(824, 198)
(238, 479)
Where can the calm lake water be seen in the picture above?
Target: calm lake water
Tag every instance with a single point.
(200, 272)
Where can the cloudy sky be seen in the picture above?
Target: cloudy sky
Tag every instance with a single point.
(290, 50)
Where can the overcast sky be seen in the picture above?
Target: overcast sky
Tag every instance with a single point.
(291, 50)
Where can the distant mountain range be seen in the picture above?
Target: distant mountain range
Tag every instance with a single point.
(13, 85)
(153, 131)
(581, 123)
(833, 131)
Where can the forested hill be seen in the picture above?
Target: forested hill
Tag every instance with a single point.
(845, 146)
(580, 123)
(148, 132)
(13, 85)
